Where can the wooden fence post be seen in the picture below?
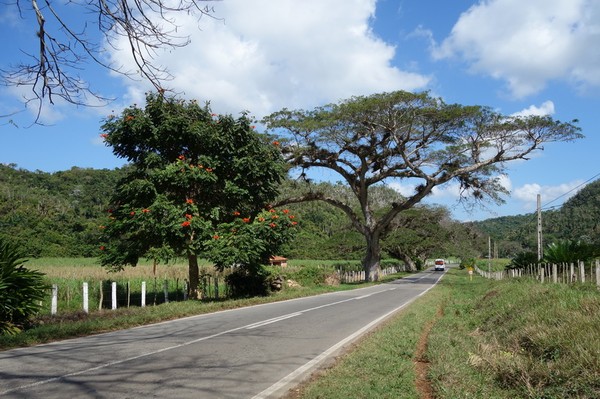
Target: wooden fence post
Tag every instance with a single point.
(555, 273)
(86, 303)
(54, 303)
(582, 271)
(216, 287)
(186, 288)
(143, 294)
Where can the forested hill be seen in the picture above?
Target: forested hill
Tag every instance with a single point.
(577, 219)
(58, 214)
(55, 214)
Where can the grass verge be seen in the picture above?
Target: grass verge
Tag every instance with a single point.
(487, 339)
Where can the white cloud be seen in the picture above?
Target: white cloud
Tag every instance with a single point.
(555, 195)
(405, 189)
(547, 108)
(265, 55)
(527, 44)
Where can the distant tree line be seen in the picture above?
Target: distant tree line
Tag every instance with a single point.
(55, 214)
(59, 214)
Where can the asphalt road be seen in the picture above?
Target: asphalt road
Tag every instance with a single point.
(255, 352)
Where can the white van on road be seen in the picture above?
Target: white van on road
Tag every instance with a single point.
(440, 265)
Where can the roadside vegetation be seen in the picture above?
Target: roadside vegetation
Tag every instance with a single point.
(489, 339)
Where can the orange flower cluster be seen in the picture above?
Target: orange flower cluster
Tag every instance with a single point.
(185, 224)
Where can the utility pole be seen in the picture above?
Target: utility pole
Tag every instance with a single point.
(540, 252)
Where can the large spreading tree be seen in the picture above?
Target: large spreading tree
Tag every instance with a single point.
(410, 138)
(198, 185)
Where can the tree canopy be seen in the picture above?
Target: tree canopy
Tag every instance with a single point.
(410, 138)
(197, 180)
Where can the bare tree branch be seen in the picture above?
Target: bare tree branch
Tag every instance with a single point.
(64, 49)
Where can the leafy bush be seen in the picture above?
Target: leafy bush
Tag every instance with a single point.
(467, 262)
(312, 275)
(245, 282)
(522, 260)
(21, 289)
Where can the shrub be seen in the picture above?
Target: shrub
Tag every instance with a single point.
(467, 262)
(245, 282)
(21, 289)
(522, 260)
(312, 275)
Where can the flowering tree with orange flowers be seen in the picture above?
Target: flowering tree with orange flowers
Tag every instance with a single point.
(197, 187)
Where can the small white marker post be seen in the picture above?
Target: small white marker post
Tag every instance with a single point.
(114, 295)
(86, 303)
(54, 303)
(143, 294)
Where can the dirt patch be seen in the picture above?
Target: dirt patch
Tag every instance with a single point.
(422, 365)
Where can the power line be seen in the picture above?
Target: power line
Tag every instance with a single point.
(568, 192)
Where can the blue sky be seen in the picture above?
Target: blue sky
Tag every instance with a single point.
(539, 56)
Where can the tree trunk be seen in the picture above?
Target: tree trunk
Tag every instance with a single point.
(409, 263)
(371, 261)
(194, 275)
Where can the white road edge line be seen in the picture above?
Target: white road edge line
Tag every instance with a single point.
(314, 362)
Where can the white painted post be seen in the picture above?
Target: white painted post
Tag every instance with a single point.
(542, 273)
(114, 295)
(143, 294)
(582, 271)
(572, 273)
(86, 303)
(54, 303)
(555, 273)
(598, 274)
(166, 291)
